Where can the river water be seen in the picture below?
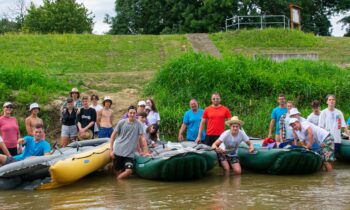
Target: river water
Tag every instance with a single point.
(249, 191)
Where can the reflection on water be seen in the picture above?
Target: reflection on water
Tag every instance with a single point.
(102, 191)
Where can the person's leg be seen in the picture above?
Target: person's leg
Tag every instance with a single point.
(128, 166)
(125, 174)
(236, 167)
(64, 135)
(3, 159)
(226, 167)
(64, 141)
(328, 166)
(327, 153)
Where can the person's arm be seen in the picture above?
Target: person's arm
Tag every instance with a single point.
(143, 145)
(4, 149)
(28, 127)
(111, 140)
(182, 129)
(216, 147)
(111, 118)
(201, 127)
(311, 138)
(98, 118)
(272, 124)
(251, 146)
(295, 137)
(78, 122)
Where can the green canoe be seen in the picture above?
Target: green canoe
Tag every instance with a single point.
(344, 153)
(176, 162)
(279, 161)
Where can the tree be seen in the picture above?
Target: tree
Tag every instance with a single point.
(58, 16)
(7, 25)
(346, 22)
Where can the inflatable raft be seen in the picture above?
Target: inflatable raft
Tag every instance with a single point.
(63, 167)
(279, 161)
(344, 153)
(176, 162)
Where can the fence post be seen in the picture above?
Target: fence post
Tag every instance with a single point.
(238, 22)
(226, 24)
(261, 20)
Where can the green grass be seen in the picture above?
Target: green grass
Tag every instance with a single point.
(252, 42)
(59, 54)
(249, 88)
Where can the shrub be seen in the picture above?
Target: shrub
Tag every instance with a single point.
(248, 87)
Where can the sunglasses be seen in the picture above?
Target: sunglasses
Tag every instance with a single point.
(9, 107)
(215, 99)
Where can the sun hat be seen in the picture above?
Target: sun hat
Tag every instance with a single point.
(148, 107)
(86, 135)
(293, 111)
(141, 103)
(234, 120)
(107, 98)
(74, 90)
(293, 120)
(34, 106)
(7, 104)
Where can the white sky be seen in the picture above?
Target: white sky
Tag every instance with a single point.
(101, 7)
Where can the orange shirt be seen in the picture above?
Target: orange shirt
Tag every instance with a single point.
(216, 119)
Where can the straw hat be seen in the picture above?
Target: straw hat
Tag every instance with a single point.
(86, 135)
(74, 90)
(234, 120)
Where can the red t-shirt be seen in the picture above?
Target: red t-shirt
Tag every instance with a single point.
(216, 119)
(9, 131)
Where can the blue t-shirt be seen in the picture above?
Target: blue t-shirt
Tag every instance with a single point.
(193, 121)
(276, 115)
(33, 148)
(348, 122)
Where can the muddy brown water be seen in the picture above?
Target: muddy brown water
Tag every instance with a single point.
(248, 191)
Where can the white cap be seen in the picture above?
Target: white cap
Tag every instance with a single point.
(74, 90)
(107, 98)
(33, 106)
(293, 120)
(148, 107)
(293, 111)
(141, 103)
(7, 104)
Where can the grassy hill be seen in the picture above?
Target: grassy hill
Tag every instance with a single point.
(251, 42)
(121, 66)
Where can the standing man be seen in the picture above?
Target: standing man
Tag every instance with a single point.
(33, 119)
(105, 119)
(286, 132)
(277, 112)
(316, 111)
(124, 140)
(214, 118)
(191, 121)
(86, 118)
(309, 134)
(332, 120)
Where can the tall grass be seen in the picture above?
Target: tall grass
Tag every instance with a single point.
(25, 86)
(249, 88)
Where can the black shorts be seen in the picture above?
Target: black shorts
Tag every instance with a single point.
(122, 163)
(12, 151)
(209, 140)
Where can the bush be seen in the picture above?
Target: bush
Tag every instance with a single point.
(249, 88)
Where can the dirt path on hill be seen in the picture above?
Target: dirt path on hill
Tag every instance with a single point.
(201, 43)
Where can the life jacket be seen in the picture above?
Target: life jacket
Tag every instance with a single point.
(268, 141)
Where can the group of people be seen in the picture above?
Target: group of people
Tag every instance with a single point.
(321, 130)
(138, 130)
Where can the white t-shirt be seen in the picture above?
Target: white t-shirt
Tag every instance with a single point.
(319, 134)
(97, 108)
(231, 143)
(332, 121)
(312, 118)
(153, 117)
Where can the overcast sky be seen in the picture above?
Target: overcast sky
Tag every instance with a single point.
(101, 7)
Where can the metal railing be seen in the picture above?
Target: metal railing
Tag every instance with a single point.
(261, 21)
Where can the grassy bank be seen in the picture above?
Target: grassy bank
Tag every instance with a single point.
(249, 88)
(251, 42)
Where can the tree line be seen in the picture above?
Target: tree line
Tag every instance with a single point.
(168, 16)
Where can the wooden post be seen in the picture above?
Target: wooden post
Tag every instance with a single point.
(295, 16)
